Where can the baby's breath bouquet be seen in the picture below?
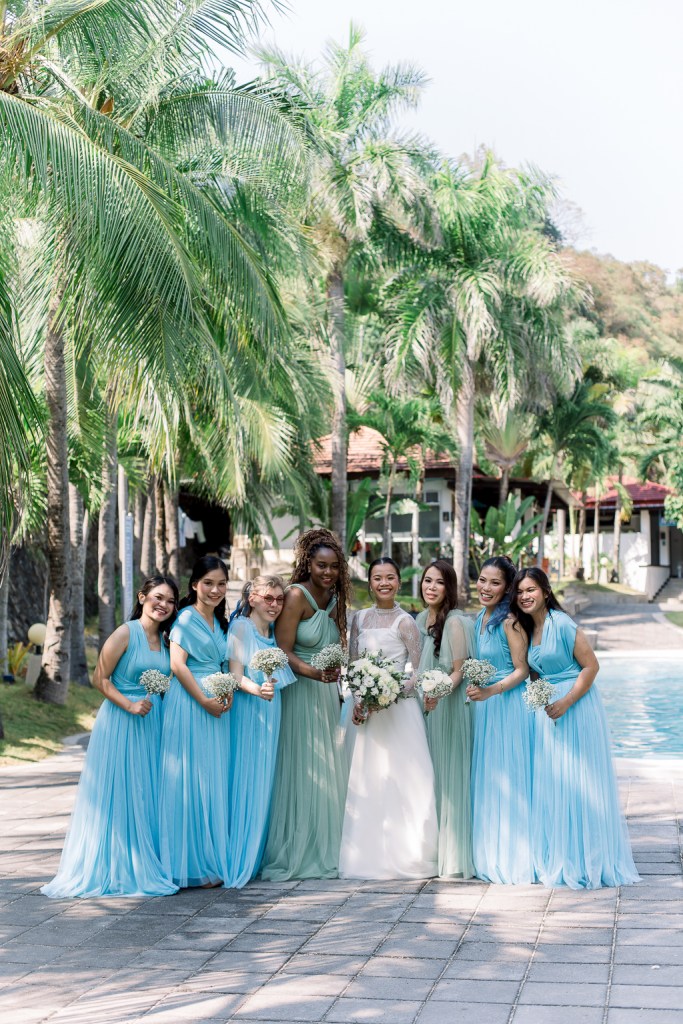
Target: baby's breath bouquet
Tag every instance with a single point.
(375, 680)
(220, 685)
(332, 656)
(434, 683)
(154, 682)
(538, 693)
(477, 672)
(268, 660)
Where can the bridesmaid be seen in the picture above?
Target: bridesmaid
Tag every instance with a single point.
(308, 797)
(195, 744)
(503, 738)
(447, 639)
(254, 725)
(580, 836)
(112, 847)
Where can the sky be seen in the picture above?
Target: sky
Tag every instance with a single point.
(590, 92)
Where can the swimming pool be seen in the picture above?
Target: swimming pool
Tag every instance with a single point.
(643, 695)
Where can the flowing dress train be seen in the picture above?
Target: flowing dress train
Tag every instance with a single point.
(254, 733)
(390, 824)
(112, 845)
(194, 806)
(501, 771)
(580, 836)
(308, 796)
(449, 734)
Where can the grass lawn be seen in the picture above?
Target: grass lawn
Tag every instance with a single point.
(675, 617)
(34, 730)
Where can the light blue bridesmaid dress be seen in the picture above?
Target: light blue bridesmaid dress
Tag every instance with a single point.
(254, 732)
(501, 771)
(112, 846)
(580, 837)
(194, 805)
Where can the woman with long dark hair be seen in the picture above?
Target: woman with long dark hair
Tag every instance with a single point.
(195, 746)
(308, 796)
(390, 825)
(503, 737)
(112, 846)
(579, 833)
(254, 724)
(447, 639)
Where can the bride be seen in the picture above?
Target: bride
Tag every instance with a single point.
(390, 828)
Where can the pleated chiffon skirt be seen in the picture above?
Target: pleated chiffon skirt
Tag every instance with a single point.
(449, 734)
(112, 846)
(501, 781)
(580, 835)
(308, 796)
(194, 803)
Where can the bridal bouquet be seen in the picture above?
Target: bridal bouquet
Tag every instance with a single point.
(332, 656)
(155, 682)
(538, 694)
(220, 685)
(477, 672)
(434, 683)
(375, 680)
(268, 661)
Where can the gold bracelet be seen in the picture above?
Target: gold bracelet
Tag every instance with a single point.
(501, 688)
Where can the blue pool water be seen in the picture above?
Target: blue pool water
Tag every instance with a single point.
(643, 696)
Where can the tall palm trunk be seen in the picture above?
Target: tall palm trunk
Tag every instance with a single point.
(386, 528)
(504, 486)
(148, 533)
(464, 429)
(160, 556)
(335, 327)
(138, 525)
(172, 530)
(78, 521)
(52, 685)
(4, 613)
(618, 508)
(596, 534)
(106, 536)
(546, 519)
(582, 528)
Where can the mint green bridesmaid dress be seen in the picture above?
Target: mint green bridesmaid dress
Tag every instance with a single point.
(307, 809)
(449, 734)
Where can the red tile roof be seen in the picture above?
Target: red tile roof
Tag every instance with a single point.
(644, 495)
(365, 454)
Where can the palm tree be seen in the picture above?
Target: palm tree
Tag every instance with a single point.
(408, 428)
(507, 436)
(81, 146)
(360, 168)
(484, 305)
(572, 435)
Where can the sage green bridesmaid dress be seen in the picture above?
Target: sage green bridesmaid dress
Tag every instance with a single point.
(449, 734)
(307, 811)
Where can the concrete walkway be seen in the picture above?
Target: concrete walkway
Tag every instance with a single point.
(333, 951)
(628, 626)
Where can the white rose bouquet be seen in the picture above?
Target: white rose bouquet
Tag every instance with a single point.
(332, 656)
(538, 693)
(220, 685)
(268, 660)
(434, 683)
(374, 680)
(154, 682)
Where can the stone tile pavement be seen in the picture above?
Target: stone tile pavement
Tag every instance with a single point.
(434, 952)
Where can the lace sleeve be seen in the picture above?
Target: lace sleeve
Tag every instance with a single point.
(410, 635)
(353, 637)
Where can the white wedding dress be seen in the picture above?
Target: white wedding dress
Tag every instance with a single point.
(390, 826)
